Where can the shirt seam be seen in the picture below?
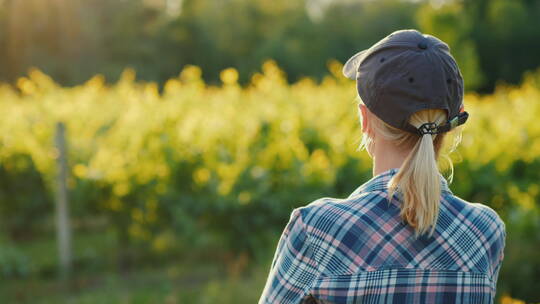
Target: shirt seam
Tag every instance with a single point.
(393, 267)
(326, 277)
(310, 249)
(492, 287)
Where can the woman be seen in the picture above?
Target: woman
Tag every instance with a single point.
(403, 236)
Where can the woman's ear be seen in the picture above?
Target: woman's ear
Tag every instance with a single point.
(364, 111)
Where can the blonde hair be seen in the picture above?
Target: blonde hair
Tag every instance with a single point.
(418, 179)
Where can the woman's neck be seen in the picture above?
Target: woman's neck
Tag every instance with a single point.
(386, 156)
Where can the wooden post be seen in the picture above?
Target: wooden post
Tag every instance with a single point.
(63, 231)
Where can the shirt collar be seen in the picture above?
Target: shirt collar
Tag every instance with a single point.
(380, 182)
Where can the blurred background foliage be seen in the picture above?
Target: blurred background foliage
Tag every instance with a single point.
(72, 40)
(195, 127)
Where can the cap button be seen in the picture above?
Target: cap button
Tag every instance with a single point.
(422, 45)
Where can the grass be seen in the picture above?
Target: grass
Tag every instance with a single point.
(142, 286)
(97, 279)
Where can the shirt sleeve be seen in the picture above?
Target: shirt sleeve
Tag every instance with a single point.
(293, 268)
(501, 244)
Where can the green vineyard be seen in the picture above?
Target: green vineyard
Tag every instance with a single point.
(193, 170)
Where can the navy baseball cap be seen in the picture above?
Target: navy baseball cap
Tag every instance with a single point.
(405, 72)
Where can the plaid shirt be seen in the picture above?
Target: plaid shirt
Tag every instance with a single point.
(358, 250)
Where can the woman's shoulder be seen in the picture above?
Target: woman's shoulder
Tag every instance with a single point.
(330, 209)
(479, 221)
(325, 203)
(481, 212)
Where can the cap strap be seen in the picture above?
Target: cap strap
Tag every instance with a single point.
(459, 119)
(432, 128)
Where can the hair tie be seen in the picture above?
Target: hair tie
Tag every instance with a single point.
(428, 128)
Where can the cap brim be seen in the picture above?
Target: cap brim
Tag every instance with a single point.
(351, 66)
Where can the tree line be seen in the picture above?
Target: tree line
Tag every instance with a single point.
(72, 40)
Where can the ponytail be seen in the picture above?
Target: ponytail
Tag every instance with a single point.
(419, 182)
(418, 179)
